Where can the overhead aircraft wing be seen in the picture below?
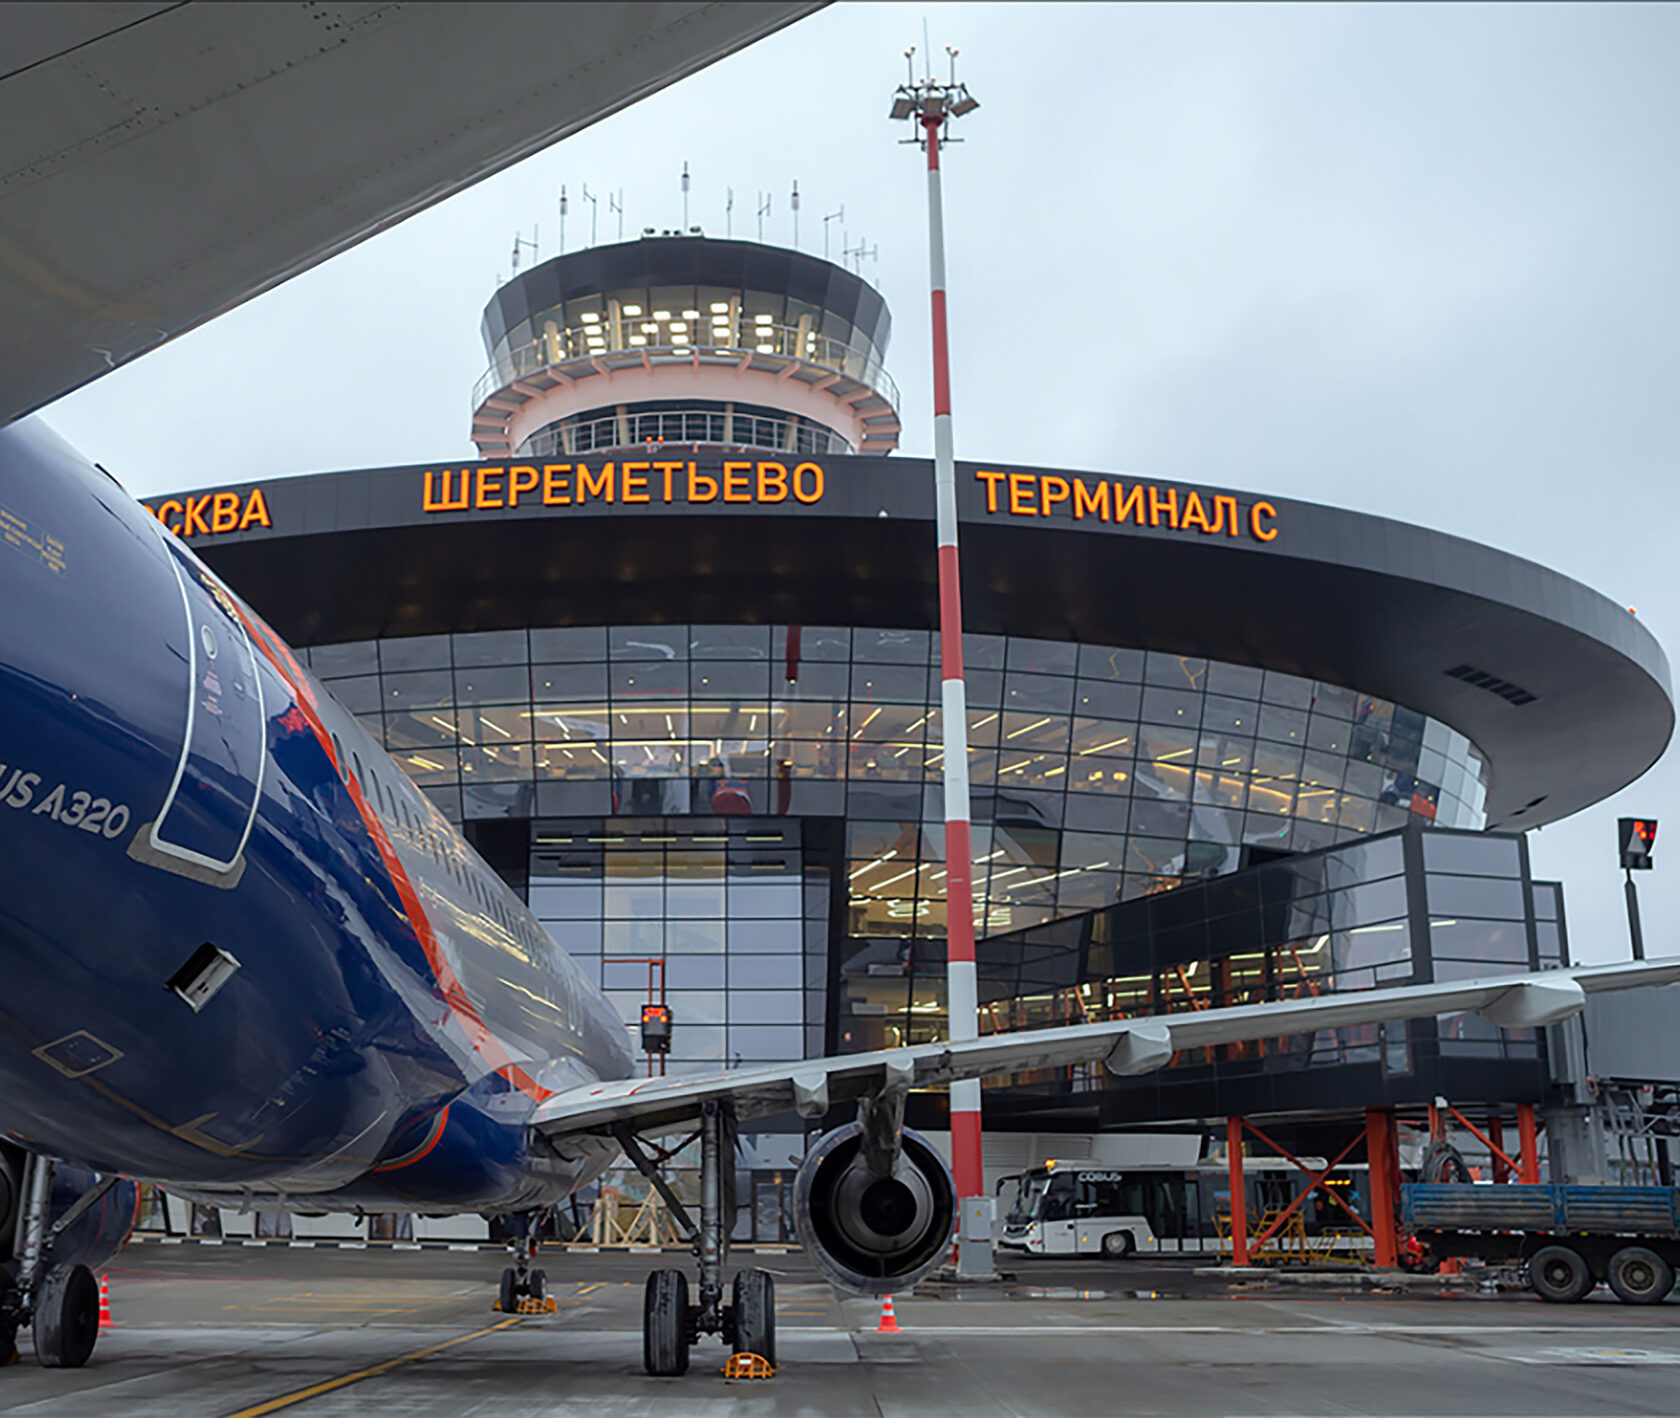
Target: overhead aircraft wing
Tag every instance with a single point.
(1125, 1046)
(160, 163)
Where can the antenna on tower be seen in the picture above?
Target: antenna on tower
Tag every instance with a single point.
(562, 218)
(839, 216)
(594, 211)
(861, 253)
(518, 242)
(729, 213)
(685, 196)
(616, 204)
(795, 201)
(953, 54)
(763, 212)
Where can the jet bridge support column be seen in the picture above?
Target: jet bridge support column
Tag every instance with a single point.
(1239, 1192)
(1382, 1152)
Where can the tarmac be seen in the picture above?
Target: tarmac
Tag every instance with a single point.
(237, 1331)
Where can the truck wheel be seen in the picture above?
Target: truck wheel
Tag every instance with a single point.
(1639, 1276)
(1558, 1274)
(1117, 1245)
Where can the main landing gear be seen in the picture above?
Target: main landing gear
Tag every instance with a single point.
(671, 1323)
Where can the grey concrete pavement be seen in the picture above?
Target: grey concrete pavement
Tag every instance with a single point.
(236, 1331)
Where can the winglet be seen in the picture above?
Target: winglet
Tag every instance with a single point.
(1147, 1045)
(1535, 1002)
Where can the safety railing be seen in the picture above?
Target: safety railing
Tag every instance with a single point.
(733, 429)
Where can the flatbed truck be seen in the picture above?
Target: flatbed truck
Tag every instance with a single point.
(1569, 1237)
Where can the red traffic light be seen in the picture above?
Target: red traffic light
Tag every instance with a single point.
(1638, 836)
(656, 1028)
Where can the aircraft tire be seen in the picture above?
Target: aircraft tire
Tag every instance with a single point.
(66, 1320)
(1640, 1276)
(755, 1314)
(536, 1285)
(1559, 1275)
(665, 1324)
(508, 1296)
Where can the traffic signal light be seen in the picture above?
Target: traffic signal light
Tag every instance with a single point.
(1638, 836)
(656, 1029)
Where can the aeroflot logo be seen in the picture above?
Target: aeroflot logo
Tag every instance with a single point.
(213, 512)
(486, 487)
(1110, 500)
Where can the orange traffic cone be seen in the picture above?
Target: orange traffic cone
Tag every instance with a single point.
(105, 1320)
(889, 1321)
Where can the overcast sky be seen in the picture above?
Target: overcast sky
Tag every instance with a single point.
(1416, 260)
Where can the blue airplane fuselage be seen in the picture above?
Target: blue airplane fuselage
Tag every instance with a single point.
(186, 817)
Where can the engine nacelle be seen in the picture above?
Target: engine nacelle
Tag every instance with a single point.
(94, 1237)
(100, 1231)
(874, 1235)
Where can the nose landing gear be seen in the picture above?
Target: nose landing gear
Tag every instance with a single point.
(59, 1303)
(524, 1289)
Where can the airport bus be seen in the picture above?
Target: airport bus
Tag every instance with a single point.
(1086, 1208)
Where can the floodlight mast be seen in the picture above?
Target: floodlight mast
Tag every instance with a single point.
(930, 106)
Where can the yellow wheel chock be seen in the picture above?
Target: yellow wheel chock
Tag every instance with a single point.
(748, 1366)
(528, 1306)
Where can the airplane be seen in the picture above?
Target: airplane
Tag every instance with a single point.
(242, 956)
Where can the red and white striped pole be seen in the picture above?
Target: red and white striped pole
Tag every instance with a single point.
(932, 105)
(960, 992)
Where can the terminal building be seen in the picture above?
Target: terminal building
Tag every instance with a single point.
(664, 647)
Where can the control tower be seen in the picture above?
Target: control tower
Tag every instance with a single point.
(679, 338)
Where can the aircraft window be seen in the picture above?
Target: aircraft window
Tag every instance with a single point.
(341, 762)
(356, 760)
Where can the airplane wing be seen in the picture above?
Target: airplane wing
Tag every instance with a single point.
(161, 163)
(1125, 1046)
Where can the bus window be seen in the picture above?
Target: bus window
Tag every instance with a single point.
(1059, 1198)
(1029, 1197)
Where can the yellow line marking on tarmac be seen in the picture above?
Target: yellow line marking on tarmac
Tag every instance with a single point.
(587, 1288)
(274, 1405)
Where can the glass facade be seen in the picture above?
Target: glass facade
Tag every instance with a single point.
(1407, 907)
(726, 920)
(1099, 775)
(677, 321)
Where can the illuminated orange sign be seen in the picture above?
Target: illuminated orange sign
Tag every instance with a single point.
(214, 512)
(485, 487)
(1110, 500)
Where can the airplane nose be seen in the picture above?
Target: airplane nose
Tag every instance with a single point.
(93, 686)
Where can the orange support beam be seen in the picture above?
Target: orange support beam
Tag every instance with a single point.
(1487, 1141)
(1501, 1163)
(1382, 1151)
(1529, 1135)
(1239, 1194)
(1315, 1180)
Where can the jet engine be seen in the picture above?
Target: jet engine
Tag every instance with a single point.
(874, 1229)
(100, 1231)
(90, 1239)
(11, 1195)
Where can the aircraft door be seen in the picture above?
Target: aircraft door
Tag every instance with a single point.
(208, 811)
